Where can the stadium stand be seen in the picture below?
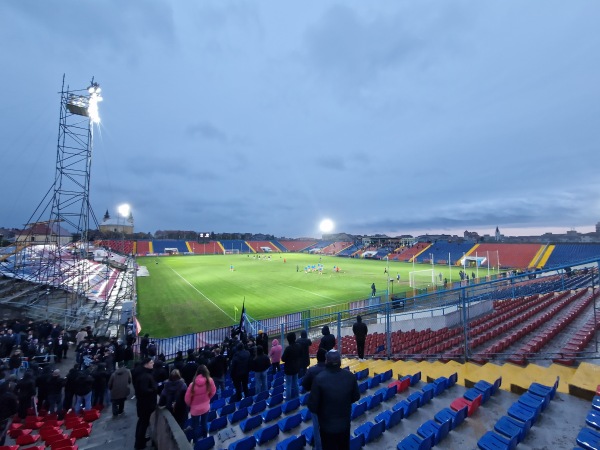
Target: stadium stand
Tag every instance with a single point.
(441, 250)
(507, 255)
(162, 246)
(297, 246)
(142, 248)
(571, 253)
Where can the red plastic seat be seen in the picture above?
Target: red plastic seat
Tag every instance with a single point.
(472, 406)
(27, 439)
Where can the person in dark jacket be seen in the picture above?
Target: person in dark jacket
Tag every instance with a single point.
(292, 357)
(118, 385)
(240, 371)
(172, 397)
(304, 342)
(9, 405)
(260, 365)
(160, 374)
(360, 331)
(217, 367)
(55, 387)
(189, 369)
(331, 396)
(146, 396)
(307, 382)
(83, 391)
(263, 340)
(144, 342)
(100, 391)
(25, 391)
(70, 387)
(328, 339)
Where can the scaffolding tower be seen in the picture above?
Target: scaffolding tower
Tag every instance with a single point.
(52, 251)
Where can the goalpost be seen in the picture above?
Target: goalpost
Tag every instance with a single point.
(231, 251)
(421, 279)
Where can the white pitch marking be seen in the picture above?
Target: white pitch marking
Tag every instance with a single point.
(196, 289)
(311, 292)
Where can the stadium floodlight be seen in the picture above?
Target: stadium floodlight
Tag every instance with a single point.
(124, 210)
(95, 98)
(86, 105)
(326, 226)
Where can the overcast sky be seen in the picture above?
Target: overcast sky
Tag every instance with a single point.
(394, 117)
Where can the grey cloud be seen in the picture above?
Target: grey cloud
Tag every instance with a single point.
(206, 130)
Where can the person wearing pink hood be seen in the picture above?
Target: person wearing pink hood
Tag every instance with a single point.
(197, 397)
(275, 354)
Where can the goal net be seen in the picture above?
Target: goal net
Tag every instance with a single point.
(233, 251)
(421, 279)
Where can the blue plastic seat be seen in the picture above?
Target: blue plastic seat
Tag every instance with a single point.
(245, 402)
(593, 419)
(306, 414)
(509, 427)
(218, 404)
(429, 387)
(426, 395)
(277, 390)
(246, 443)
(543, 390)
(439, 430)
(533, 401)
(275, 400)
(261, 396)
(271, 414)
(257, 408)
(357, 442)
(408, 406)
(278, 381)
(358, 409)
(227, 409)
(291, 405)
(374, 381)
(218, 424)
(238, 415)
(441, 385)
(251, 423)
(205, 444)
(484, 388)
(308, 433)
(391, 418)
(494, 441)
(588, 439)
(414, 442)
(416, 396)
(374, 401)
(290, 422)
(292, 443)
(522, 412)
(452, 379)
(266, 434)
(363, 386)
(304, 399)
(387, 375)
(472, 393)
(415, 378)
(456, 417)
(212, 415)
(596, 402)
(371, 431)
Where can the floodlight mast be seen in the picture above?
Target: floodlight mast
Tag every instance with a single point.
(62, 219)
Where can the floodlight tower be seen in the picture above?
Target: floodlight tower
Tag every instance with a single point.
(61, 221)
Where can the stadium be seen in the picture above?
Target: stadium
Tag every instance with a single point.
(486, 333)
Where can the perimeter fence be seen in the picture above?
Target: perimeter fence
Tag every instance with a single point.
(547, 315)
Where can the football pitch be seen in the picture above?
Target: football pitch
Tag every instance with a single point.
(188, 294)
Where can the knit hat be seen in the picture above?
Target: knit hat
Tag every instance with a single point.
(333, 358)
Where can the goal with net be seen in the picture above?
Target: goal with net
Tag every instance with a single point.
(421, 279)
(233, 251)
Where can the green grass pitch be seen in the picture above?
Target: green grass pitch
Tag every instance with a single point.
(187, 294)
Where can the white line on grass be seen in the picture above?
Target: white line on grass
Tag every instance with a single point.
(311, 292)
(196, 289)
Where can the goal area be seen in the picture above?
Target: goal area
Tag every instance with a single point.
(421, 279)
(232, 251)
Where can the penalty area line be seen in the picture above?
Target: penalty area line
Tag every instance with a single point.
(202, 294)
